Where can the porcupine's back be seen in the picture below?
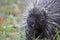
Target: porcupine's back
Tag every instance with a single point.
(52, 9)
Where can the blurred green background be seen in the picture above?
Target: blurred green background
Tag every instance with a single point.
(12, 17)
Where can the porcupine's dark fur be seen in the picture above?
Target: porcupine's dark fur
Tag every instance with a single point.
(43, 19)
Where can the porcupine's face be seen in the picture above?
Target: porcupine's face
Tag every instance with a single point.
(36, 19)
(31, 19)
